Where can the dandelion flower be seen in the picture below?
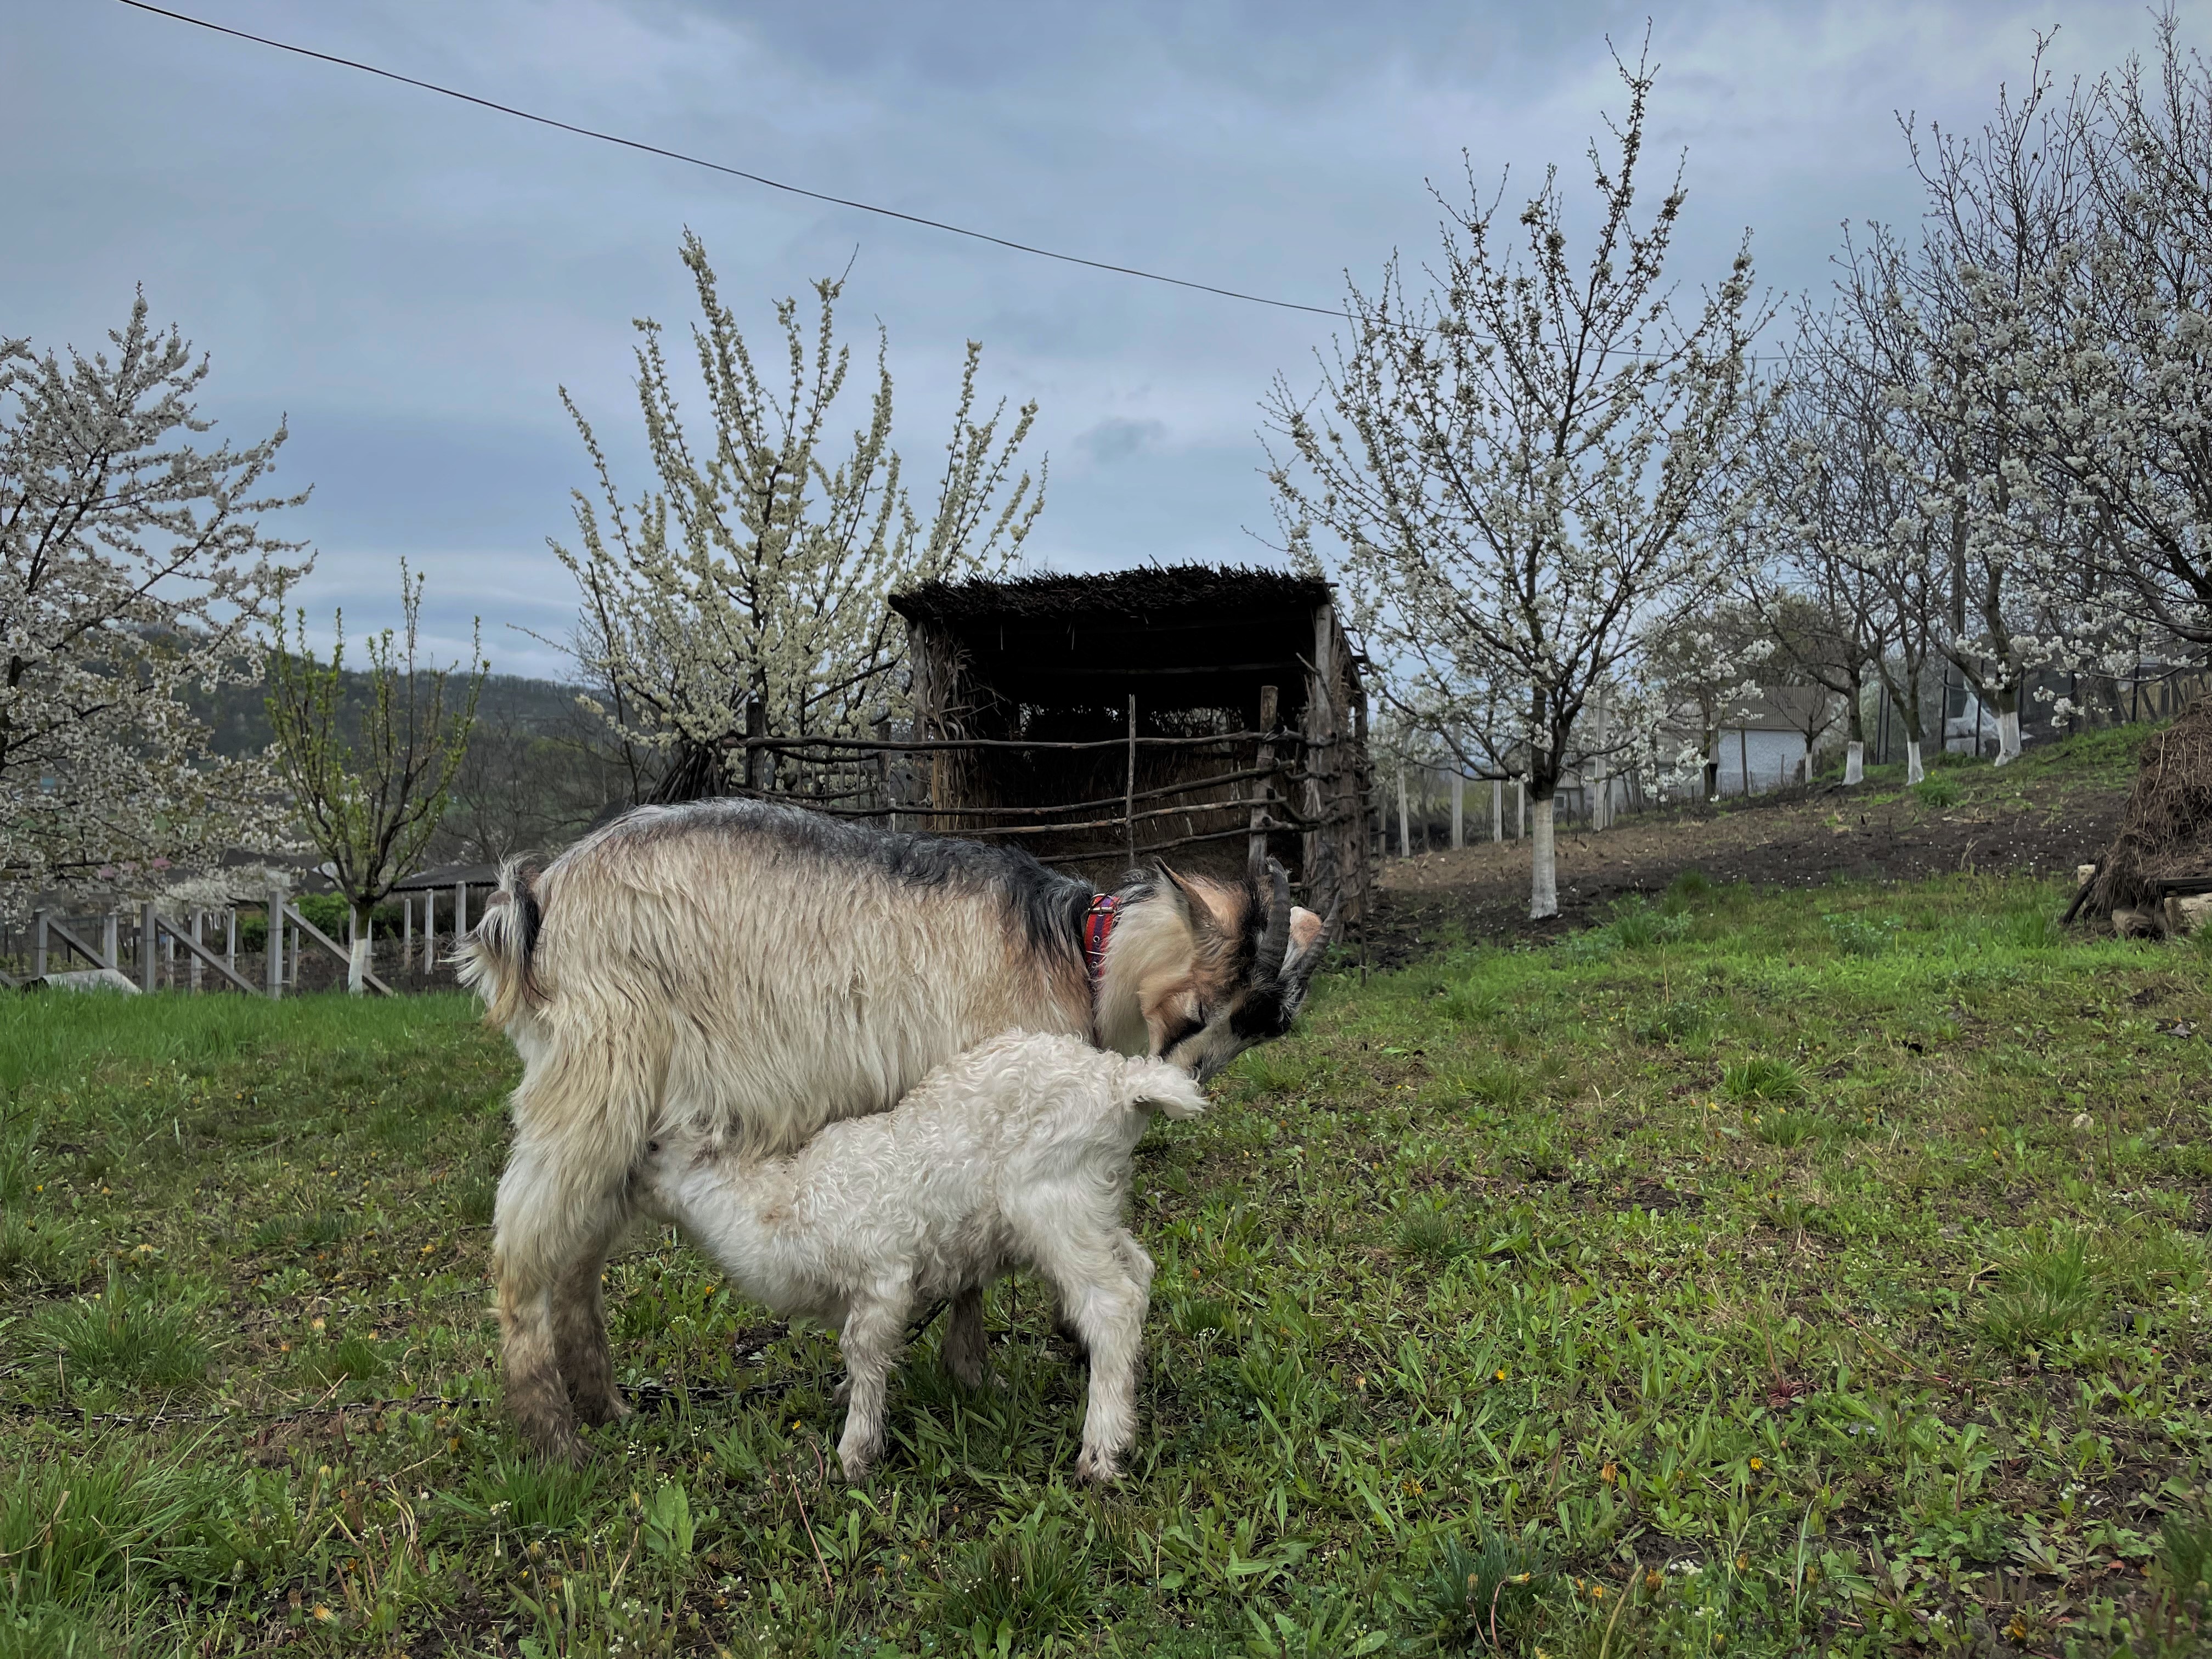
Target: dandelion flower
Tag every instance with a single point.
(1756, 1465)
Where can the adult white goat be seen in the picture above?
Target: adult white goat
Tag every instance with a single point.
(1014, 1154)
(764, 971)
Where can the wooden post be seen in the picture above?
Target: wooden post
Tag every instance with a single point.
(429, 932)
(230, 936)
(1129, 789)
(1459, 809)
(1520, 800)
(199, 937)
(274, 952)
(461, 908)
(149, 954)
(38, 944)
(1255, 843)
(884, 775)
(107, 941)
(757, 775)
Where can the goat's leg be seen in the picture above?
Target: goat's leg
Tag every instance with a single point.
(579, 1332)
(874, 1329)
(551, 1231)
(967, 1355)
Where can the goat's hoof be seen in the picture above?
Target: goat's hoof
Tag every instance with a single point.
(1098, 1467)
(609, 1408)
(559, 1443)
(855, 1467)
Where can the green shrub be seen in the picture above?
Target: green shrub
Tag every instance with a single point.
(1938, 792)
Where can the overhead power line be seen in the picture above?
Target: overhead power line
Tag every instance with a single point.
(789, 189)
(735, 173)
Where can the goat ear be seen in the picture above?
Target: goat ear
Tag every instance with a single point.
(1189, 905)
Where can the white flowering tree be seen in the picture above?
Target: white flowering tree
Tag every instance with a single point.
(757, 569)
(2103, 370)
(1518, 472)
(133, 568)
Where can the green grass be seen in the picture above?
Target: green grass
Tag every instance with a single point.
(1763, 1278)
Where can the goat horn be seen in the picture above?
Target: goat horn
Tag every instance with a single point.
(1277, 938)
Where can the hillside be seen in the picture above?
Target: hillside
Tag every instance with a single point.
(2056, 807)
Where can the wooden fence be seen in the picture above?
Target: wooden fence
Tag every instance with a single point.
(1264, 783)
(143, 950)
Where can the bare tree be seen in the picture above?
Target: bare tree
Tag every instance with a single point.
(370, 783)
(1518, 468)
(132, 568)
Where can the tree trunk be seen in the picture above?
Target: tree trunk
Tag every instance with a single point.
(1913, 770)
(1543, 863)
(2007, 735)
(1405, 834)
(1855, 762)
(357, 930)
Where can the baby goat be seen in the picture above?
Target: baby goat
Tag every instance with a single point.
(1015, 1153)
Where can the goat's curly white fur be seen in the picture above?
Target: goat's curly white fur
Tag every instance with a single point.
(1015, 1153)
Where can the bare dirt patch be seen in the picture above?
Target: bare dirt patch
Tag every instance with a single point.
(2045, 827)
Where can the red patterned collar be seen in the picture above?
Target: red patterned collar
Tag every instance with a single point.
(1098, 928)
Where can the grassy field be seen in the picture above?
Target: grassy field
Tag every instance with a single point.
(1822, 1273)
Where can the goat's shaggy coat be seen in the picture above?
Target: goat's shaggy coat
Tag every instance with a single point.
(1014, 1154)
(764, 971)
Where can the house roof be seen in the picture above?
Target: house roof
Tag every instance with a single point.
(1189, 635)
(1793, 708)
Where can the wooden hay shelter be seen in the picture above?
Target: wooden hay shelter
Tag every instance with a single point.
(2163, 850)
(1213, 716)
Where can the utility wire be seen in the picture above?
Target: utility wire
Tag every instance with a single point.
(640, 146)
(735, 173)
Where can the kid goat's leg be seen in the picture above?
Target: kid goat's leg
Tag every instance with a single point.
(1106, 1304)
(967, 1355)
(875, 1327)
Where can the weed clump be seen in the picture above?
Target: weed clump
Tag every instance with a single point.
(1765, 1079)
(120, 1333)
(1486, 1594)
(1020, 1589)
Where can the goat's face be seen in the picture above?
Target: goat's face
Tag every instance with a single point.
(1251, 956)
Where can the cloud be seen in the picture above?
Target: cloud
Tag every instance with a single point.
(1117, 438)
(412, 278)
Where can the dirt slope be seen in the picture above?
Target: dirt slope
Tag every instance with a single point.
(2029, 819)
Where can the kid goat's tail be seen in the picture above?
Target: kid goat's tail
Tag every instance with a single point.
(494, 957)
(1156, 1086)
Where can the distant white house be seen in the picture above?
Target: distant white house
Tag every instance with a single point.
(1767, 741)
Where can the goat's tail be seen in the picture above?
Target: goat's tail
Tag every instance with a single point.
(494, 957)
(1156, 1086)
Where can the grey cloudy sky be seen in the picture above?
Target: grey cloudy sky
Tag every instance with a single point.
(410, 279)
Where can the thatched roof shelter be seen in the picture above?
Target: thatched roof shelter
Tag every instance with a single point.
(2165, 845)
(1246, 696)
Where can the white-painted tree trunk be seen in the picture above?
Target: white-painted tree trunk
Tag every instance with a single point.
(1854, 762)
(356, 955)
(1459, 811)
(1497, 809)
(2008, 736)
(1405, 832)
(1543, 866)
(1913, 770)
